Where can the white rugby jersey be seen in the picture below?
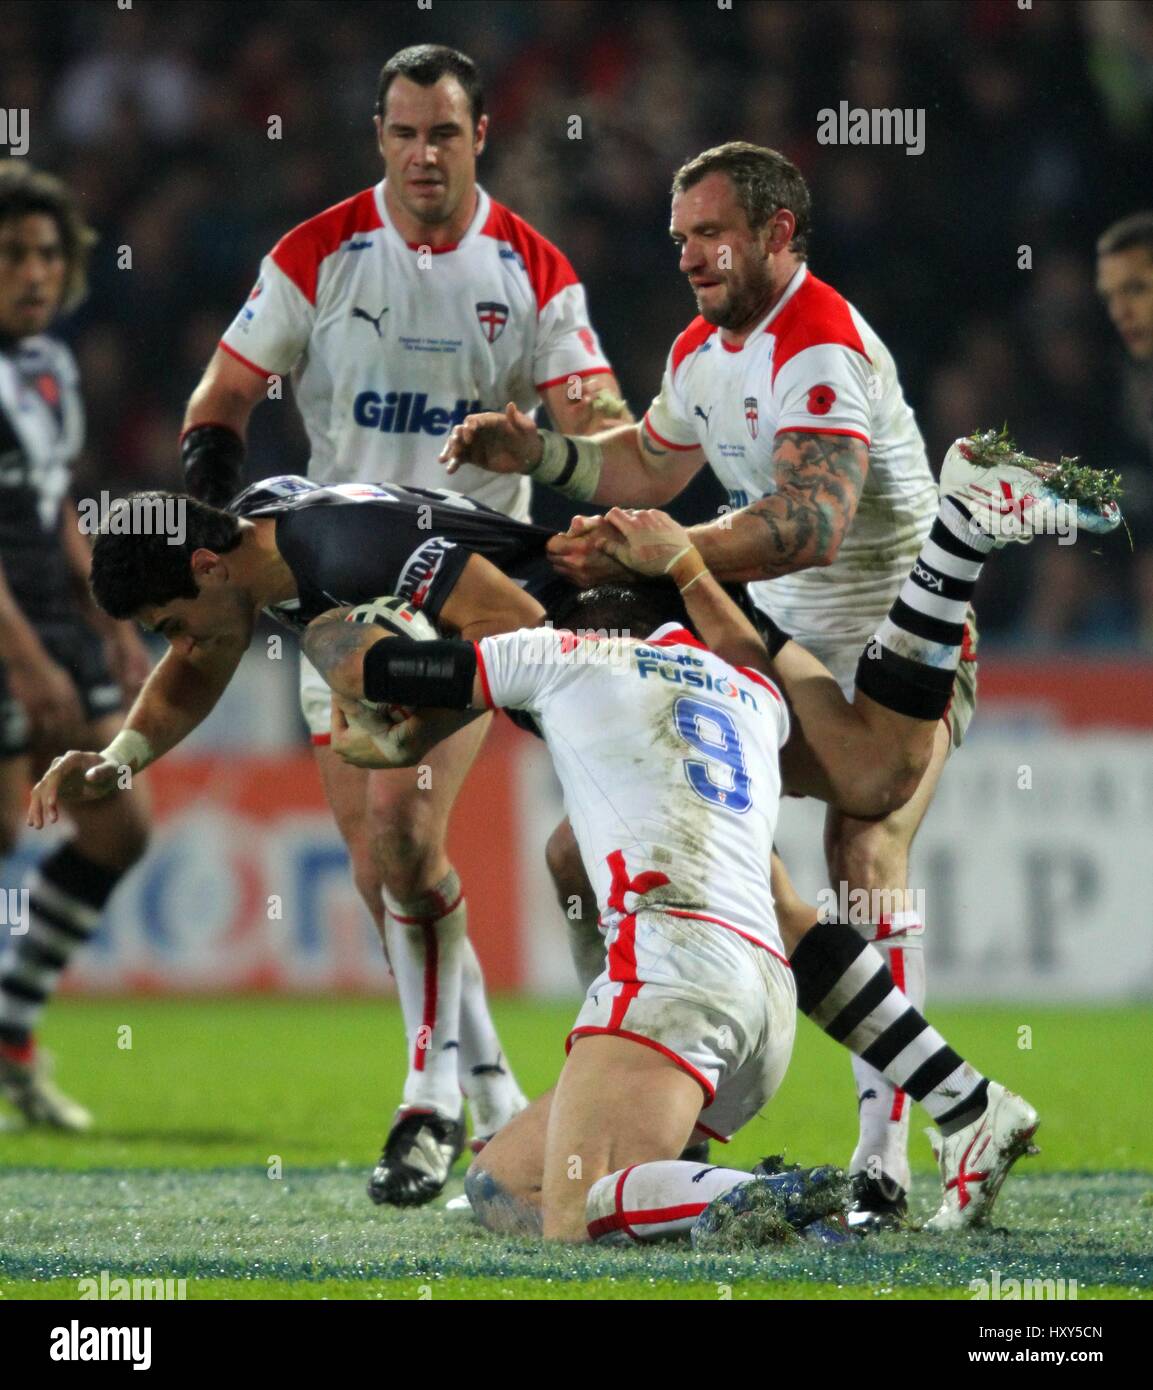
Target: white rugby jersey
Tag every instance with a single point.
(813, 364)
(667, 756)
(390, 346)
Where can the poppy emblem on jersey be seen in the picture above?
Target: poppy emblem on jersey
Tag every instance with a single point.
(752, 415)
(257, 289)
(493, 318)
(588, 341)
(821, 399)
(48, 389)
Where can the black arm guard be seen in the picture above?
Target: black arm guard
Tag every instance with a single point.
(213, 459)
(438, 674)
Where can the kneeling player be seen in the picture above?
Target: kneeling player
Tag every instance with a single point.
(666, 752)
(667, 755)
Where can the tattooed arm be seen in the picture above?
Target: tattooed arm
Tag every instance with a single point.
(819, 479)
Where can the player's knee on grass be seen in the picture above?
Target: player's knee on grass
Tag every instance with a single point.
(499, 1208)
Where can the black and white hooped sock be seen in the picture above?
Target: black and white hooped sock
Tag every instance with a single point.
(911, 663)
(66, 897)
(845, 987)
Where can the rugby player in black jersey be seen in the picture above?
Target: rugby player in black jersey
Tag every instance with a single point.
(63, 662)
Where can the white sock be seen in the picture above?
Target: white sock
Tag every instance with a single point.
(883, 1142)
(426, 939)
(652, 1201)
(493, 1095)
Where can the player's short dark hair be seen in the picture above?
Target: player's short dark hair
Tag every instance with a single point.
(765, 182)
(131, 571)
(636, 609)
(25, 190)
(426, 63)
(1134, 230)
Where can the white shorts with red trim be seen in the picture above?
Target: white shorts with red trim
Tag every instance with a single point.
(315, 701)
(720, 1006)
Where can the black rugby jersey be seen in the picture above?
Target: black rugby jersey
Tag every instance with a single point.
(353, 542)
(41, 433)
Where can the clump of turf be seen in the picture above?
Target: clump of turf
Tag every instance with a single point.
(761, 1223)
(1068, 478)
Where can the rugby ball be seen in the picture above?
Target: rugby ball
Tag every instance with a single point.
(399, 618)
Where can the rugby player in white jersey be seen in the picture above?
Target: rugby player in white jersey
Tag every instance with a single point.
(667, 752)
(398, 312)
(784, 390)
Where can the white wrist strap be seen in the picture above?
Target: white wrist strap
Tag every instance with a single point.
(680, 555)
(571, 464)
(128, 748)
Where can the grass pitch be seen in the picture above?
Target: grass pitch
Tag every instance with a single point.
(213, 1097)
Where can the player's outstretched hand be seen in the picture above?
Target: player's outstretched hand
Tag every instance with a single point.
(74, 776)
(652, 542)
(501, 443)
(577, 554)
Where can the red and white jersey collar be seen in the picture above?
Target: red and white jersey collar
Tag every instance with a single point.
(798, 279)
(471, 232)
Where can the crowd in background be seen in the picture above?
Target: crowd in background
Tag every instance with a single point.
(1038, 134)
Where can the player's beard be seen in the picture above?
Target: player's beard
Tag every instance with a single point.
(747, 300)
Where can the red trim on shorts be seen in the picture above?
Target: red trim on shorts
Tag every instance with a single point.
(584, 371)
(321, 740)
(728, 926)
(712, 1134)
(244, 362)
(482, 671)
(591, 1029)
(666, 443)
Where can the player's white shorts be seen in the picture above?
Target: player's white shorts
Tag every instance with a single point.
(841, 656)
(720, 1006)
(315, 701)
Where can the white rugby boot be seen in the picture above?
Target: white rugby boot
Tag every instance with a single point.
(976, 1160)
(26, 1082)
(1013, 497)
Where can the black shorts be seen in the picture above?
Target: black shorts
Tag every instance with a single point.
(80, 650)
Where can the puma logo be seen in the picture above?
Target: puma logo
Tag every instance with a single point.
(358, 313)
